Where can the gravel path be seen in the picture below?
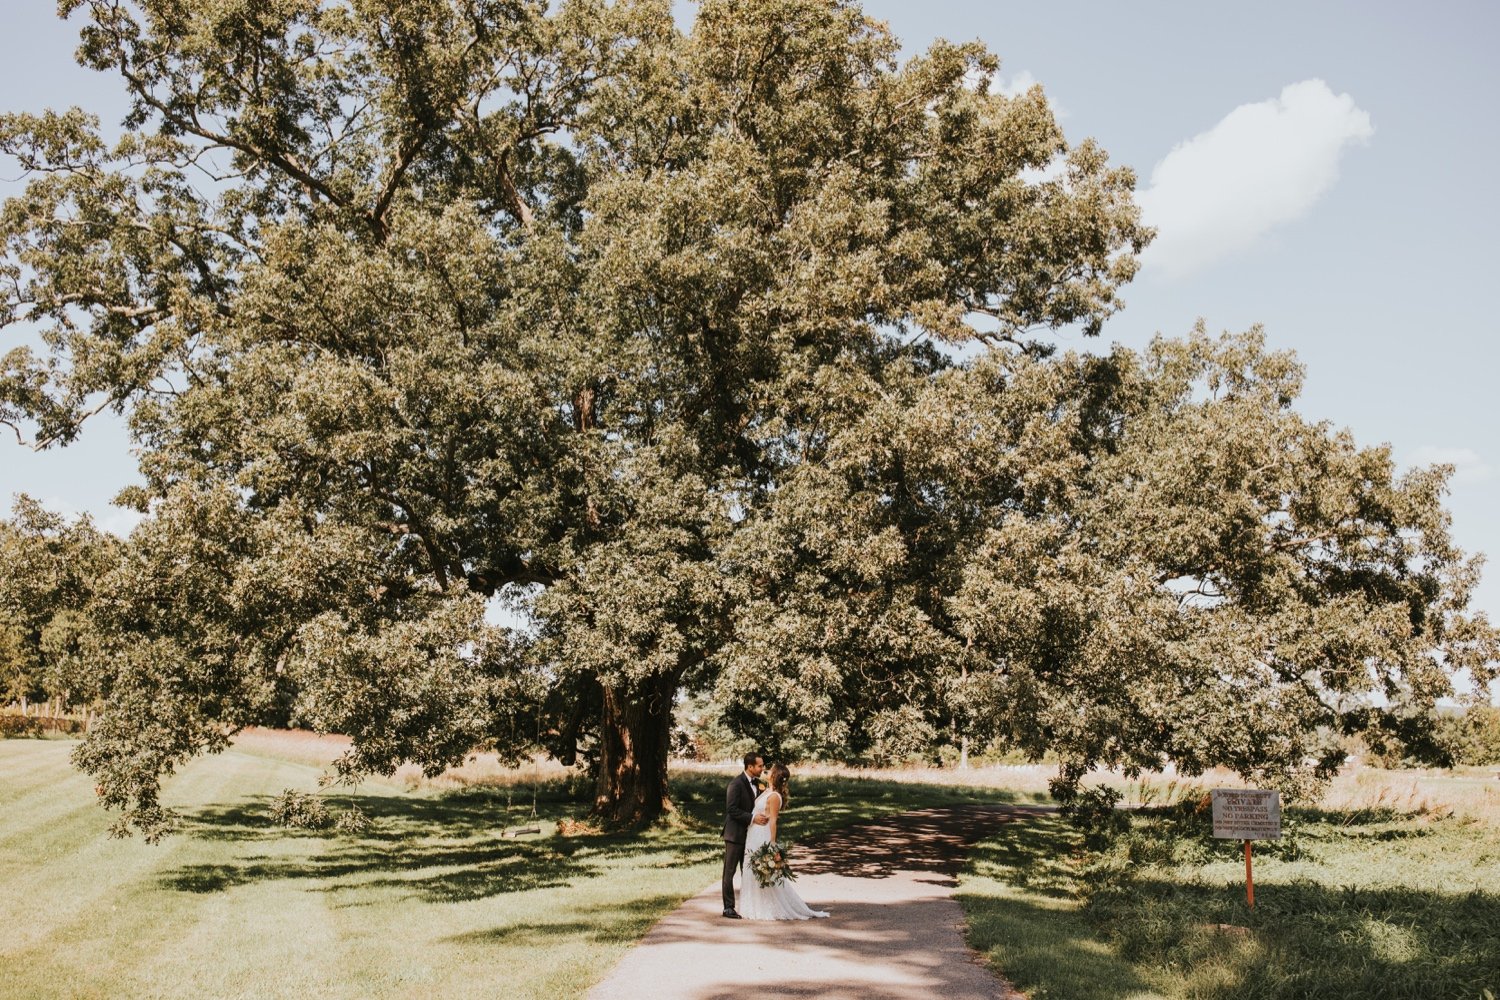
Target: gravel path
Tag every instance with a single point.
(895, 930)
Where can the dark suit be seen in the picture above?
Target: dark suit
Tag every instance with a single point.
(739, 810)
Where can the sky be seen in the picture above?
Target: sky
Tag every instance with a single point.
(1322, 169)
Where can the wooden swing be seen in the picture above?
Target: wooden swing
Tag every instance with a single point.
(536, 780)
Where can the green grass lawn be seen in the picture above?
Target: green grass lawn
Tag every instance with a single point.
(430, 901)
(1384, 902)
(1356, 903)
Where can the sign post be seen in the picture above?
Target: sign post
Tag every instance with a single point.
(1247, 814)
(1249, 878)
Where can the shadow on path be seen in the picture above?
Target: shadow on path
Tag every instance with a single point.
(895, 931)
(929, 841)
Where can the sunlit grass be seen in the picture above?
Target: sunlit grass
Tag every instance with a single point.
(434, 899)
(1386, 889)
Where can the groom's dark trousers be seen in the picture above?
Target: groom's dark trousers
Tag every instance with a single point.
(739, 806)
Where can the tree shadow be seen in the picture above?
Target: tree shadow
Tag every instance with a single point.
(615, 923)
(1033, 855)
(873, 946)
(1309, 939)
(450, 847)
(933, 841)
(445, 848)
(885, 950)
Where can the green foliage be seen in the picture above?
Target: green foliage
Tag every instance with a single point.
(1471, 737)
(16, 670)
(551, 304)
(1213, 580)
(700, 733)
(48, 571)
(1096, 814)
(652, 336)
(900, 735)
(1465, 737)
(353, 821)
(13, 726)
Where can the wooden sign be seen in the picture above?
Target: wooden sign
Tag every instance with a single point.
(1246, 814)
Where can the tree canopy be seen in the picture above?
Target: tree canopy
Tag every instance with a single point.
(719, 355)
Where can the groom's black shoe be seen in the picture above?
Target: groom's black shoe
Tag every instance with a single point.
(732, 915)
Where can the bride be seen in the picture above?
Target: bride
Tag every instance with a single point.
(773, 902)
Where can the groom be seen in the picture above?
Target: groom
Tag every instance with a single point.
(739, 809)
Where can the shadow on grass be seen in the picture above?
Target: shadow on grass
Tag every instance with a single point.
(1310, 939)
(1104, 930)
(445, 848)
(620, 923)
(450, 848)
(818, 805)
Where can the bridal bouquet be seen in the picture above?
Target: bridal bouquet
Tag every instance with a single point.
(769, 864)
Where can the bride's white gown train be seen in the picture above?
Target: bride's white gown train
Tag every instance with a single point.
(776, 902)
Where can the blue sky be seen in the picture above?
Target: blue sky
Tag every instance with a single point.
(1325, 170)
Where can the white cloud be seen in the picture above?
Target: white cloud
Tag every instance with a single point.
(1469, 466)
(1056, 169)
(1020, 84)
(1014, 86)
(120, 521)
(1262, 166)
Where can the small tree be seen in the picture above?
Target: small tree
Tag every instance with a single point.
(49, 569)
(1471, 737)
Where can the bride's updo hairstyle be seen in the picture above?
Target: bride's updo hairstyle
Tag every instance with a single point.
(779, 776)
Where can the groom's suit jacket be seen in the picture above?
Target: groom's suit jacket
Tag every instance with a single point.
(739, 809)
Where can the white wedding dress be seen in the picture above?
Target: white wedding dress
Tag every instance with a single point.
(775, 902)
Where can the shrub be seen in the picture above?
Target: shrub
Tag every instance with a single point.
(19, 726)
(299, 810)
(1093, 812)
(353, 820)
(1471, 737)
(900, 736)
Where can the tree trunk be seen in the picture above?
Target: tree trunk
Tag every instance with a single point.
(634, 735)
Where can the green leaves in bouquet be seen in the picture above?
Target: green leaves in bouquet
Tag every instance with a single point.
(771, 865)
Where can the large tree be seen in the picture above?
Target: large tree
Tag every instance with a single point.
(419, 305)
(413, 303)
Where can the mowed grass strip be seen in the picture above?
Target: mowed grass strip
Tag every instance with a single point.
(1381, 904)
(432, 899)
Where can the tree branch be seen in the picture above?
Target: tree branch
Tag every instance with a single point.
(287, 162)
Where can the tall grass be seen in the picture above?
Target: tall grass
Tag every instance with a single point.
(1387, 888)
